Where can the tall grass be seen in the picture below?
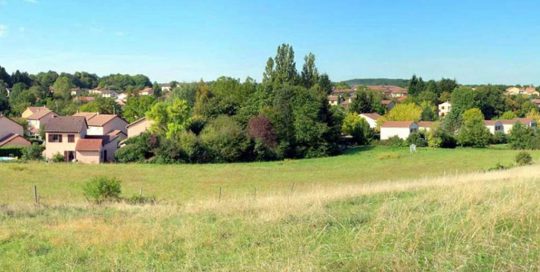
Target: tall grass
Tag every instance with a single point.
(460, 222)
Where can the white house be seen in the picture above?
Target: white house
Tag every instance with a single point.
(371, 118)
(509, 124)
(445, 108)
(104, 93)
(494, 126)
(425, 125)
(401, 129)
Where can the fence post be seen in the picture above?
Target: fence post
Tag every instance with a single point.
(36, 197)
(140, 192)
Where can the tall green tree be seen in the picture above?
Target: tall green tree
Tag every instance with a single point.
(366, 101)
(473, 132)
(310, 74)
(137, 106)
(170, 117)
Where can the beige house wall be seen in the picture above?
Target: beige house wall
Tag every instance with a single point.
(90, 157)
(53, 148)
(139, 128)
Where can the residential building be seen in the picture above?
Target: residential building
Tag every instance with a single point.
(371, 119)
(104, 93)
(11, 133)
(401, 129)
(509, 124)
(333, 100)
(138, 127)
(32, 110)
(147, 91)
(527, 91)
(426, 125)
(69, 137)
(389, 91)
(62, 134)
(388, 104)
(38, 119)
(444, 108)
(166, 87)
(103, 124)
(494, 126)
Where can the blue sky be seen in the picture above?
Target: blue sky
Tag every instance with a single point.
(473, 41)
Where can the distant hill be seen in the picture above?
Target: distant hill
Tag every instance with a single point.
(378, 81)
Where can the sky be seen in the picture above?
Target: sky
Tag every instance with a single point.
(475, 41)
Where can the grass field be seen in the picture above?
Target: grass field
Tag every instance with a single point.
(379, 209)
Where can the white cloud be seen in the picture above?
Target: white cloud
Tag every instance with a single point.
(3, 30)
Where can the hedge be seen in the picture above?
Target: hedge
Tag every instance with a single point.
(11, 152)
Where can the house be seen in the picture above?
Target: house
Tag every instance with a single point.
(122, 99)
(401, 129)
(371, 118)
(84, 99)
(102, 124)
(166, 87)
(138, 127)
(494, 126)
(389, 91)
(333, 100)
(14, 140)
(425, 125)
(527, 91)
(146, 91)
(32, 110)
(11, 134)
(62, 134)
(104, 93)
(444, 108)
(388, 104)
(69, 137)
(8, 126)
(536, 102)
(509, 124)
(38, 119)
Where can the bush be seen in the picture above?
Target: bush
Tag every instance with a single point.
(440, 138)
(394, 142)
(100, 189)
(418, 139)
(140, 200)
(499, 138)
(11, 152)
(473, 132)
(225, 140)
(523, 158)
(58, 158)
(358, 128)
(521, 137)
(33, 152)
(498, 167)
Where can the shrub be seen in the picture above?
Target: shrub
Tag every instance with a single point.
(33, 152)
(499, 138)
(498, 167)
(140, 200)
(473, 132)
(100, 189)
(394, 142)
(440, 138)
(58, 158)
(358, 128)
(225, 139)
(523, 158)
(11, 152)
(418, 139)
(521, 137)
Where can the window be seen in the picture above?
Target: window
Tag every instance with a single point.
(71, 138)
(55, 138)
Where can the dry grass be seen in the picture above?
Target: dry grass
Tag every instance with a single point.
(467, 222)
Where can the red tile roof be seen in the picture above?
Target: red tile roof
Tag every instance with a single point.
(397, 124)
(40, 114)
(11, 137)
(426, 124)
(89, 145)
(375, 116)
(86, 115)
(66, 124)
(102, 119)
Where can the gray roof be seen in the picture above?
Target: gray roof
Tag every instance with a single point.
(66, 124)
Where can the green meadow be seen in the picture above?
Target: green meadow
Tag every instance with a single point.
(373, 209)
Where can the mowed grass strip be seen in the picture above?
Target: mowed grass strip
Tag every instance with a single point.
(467, 222)
(62, 183)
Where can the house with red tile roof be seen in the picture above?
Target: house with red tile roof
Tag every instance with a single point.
(400, 129)
(494, 126)
(103, 124)
(371, 118)
(37, 118)
(509, 124)
(68, 136)
(11, 133)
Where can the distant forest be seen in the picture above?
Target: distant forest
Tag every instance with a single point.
(378, 81)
